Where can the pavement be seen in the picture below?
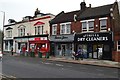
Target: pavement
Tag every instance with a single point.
(95, 62)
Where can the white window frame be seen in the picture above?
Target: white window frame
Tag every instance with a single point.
(118, 46)
(39, 30)
(21, 30)
(65, 27)
(54, 29)
(9, 33)
(87, 25)
(104, 29)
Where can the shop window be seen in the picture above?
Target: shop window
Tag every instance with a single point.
(18, 45)
(65, 28)
(118, 46)
(11, 44)
(54, 29)
(59, 47)
(6, 45)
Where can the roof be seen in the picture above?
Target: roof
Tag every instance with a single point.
(65, 17)
(100, 11)
(9, 28)
(88, 13)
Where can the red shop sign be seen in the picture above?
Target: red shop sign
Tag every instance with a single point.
(36, 39)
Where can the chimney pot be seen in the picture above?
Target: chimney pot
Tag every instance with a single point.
(89, 5)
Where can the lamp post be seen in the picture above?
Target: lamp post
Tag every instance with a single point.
(3, 28)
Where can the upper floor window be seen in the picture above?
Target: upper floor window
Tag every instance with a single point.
(103, 24)
(9, 33)
(84, 25)
(118, 46)
(68, 29)
(65, 28)
(21, 30)
(54, 29)
(87, 25)
(38, 30)
(91, 25)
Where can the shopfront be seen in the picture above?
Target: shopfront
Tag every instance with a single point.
(21, 44)
(61, 45)
(39, 44)
(32, 43)
(97, 45)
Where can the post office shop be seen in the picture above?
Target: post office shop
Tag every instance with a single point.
(97, 45)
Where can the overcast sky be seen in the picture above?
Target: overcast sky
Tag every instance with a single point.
(17, 9)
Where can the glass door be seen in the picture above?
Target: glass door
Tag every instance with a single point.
(100, 51)
(97, 51)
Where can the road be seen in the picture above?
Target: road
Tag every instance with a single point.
(27, 67)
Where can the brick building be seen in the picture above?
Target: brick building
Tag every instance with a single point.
(95, 29)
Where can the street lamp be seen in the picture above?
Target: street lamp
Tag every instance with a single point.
(3, 28)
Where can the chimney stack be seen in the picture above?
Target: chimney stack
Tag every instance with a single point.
(89, 5)
(82, 5)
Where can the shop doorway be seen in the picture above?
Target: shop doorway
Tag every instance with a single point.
(107, 52)
(63, 49)
(97, 51)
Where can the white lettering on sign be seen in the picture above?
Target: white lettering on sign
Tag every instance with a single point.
(93, 39)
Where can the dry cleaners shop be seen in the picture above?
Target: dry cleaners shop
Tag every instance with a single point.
(96, 45)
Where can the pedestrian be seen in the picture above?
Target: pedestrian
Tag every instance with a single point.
(12, 51)
(80, 53)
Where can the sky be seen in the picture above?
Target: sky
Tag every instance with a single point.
(17, 9)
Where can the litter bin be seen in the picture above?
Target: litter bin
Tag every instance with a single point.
(47, 55)
(40, 54)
